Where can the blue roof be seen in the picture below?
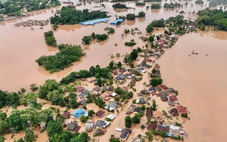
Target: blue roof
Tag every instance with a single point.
(151, 89)
(79, 112)
(169, 134)
(92, 22)
(115, 22)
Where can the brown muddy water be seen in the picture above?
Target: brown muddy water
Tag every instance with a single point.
(20, 47)
(200, 79)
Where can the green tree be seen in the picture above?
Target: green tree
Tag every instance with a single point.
(141, 14)
(29, 136)
(54, 127)
(83, 119)
(90, 113)
(136, 119)
(49, 85)
(119, 65)
(33, 87)
(130, 16)
(128, 122)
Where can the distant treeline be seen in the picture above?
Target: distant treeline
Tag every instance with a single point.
(216, 18)
(67, 55)
(171, 5)
(16, 7)
(69, 15)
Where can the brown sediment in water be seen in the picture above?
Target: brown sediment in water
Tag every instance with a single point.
(201, 81)
(20, 47)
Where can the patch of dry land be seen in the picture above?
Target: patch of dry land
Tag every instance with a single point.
(169, 86)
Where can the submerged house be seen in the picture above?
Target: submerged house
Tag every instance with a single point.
(111, 106)
(174, 112)
(141, 100)
(100, 113)
(152, 126)
(125, 133)
(89, 125)
(100, 124)
(181, 109)
(79, 112)
(72, 126)
(149, 112)
(84, 93)
(163, 128)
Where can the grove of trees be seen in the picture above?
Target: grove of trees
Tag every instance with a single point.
(215, 18)
(67, 55)
(171, 5)
(69, 15)
(155, 6)
(119, 6)
(16, 7)
(50, 39)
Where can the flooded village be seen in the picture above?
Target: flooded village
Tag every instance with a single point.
(162, 95)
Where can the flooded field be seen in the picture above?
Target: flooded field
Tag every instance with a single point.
(200, 79)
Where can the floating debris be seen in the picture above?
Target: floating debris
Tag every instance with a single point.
(30, 23)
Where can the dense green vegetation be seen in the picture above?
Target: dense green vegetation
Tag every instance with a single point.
(171, 5)
(69, 15)
(199, 2)
(155, 6)
(129, 58)
(215, 18)
(109, 30)
(119, 6)
(156, 81)
(128, 122)
(152, 0)
(50, 39)
(130, 16)
(16, 7)
(98, 37)
(155, 23)
(140, 4)
(131, 43)
(141, 14)
(1, 18)
(67, 55)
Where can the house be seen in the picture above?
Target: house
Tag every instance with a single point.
(79, 88)
(111, 106)
(72, 126)
(157, 115)
(115, 72)
(162, 128)
(105, 95)
(125, 133)
(174, 112)
(124, 88)
(149, 112)
(140, 68)
(164, 93)
(84, 93)
(191, 26)
(113, 94)
(152, 126)
(100, 113)
(79, 112)
(151, 89)
(66, 114)
(122, 70)
(181, 109)
(145, 92)
(133, 82)
(110, 116)
(173, 128)
(89, 125)
(99, 132)
(83, 102)
(120, 77)
(137, 109)
(170, 103)
(164, 97)
(104, 88)
(91, 79)
(143, 63)
(170, 90)
(173, 98)
(97, 89)
(100, 124)
(110, 88)
(157, 66)
(141, 100)
(130, 109)
(164, 87)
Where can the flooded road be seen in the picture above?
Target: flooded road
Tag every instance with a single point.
(20, 47)
(201, 81)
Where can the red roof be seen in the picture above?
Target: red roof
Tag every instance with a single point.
(79, 88)
(181, 109)
(173, 98)
(164, 87)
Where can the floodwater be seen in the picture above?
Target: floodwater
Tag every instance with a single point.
(201, 81)
(20, 47)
